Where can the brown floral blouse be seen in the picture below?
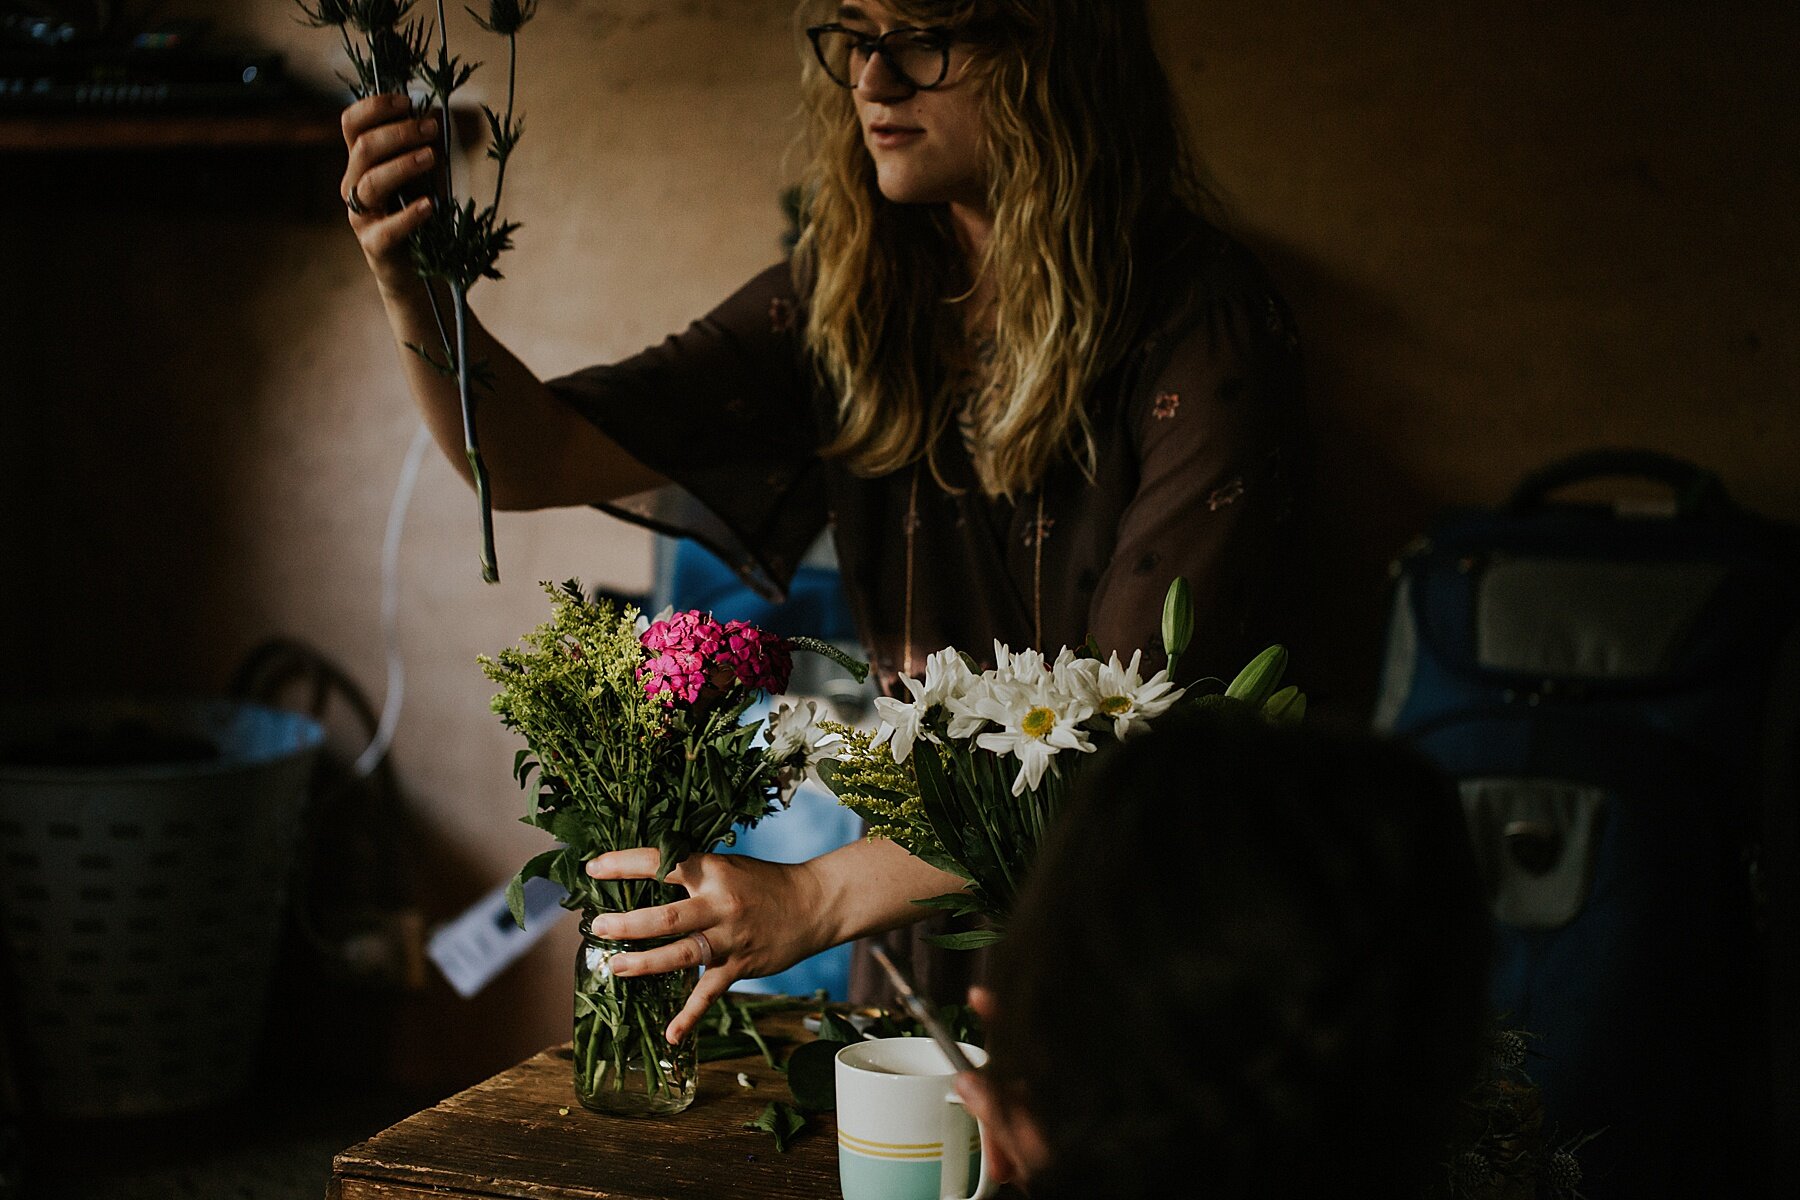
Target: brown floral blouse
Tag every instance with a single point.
(1198, 434)
(1200, 451)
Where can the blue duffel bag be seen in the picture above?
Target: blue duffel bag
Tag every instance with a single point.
(1616, 689)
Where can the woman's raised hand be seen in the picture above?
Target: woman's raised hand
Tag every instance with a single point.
(390, 149)
(754, 918)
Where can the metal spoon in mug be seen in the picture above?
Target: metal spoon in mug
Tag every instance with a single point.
(922, 1015)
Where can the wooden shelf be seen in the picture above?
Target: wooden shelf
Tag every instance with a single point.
(274, 129)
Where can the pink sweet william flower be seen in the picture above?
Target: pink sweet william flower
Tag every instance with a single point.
(756, 657)
(692, 631)
(678, 675)
(681, 648)
(690, 652)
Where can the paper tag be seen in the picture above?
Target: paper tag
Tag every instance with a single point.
(485, 940)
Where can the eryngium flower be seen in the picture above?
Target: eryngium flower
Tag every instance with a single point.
(371, 16)
(506, 17)
(327, 14)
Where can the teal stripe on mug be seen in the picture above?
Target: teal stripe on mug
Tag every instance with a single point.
(865, 1178)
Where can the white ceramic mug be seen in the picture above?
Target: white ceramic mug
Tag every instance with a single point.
(903, 1133)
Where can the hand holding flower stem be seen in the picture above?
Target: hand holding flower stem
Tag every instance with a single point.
(634, 732)
(458, 244)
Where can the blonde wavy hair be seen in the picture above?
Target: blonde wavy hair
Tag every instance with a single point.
(1086, 153)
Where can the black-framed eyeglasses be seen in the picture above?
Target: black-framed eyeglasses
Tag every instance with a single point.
(919, 57)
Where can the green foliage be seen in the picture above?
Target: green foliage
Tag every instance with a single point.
(461, 245)
(389, 60)
(858, 669)
(445, 77)
(1177, 621)
(716, 1047)
(871, 784)
(1502, 1145)
(833, 1027)
(1258, 680)
(812, 1067)
(503, 134)
(731, 1032)
(1285, 707)
(971, 939)
(607, 767)
(780, 1119)
(959, 1020)
(812, 1074)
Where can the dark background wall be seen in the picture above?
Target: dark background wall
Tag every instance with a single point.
(1509, 231)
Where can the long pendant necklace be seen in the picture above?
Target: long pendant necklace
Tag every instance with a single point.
(1038, 530)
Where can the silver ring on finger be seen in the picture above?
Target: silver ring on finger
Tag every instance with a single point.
(705, 947)
(356, 206)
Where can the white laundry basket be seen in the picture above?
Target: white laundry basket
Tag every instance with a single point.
(140, 904)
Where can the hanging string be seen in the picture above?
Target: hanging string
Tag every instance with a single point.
(1037, 575)
(379, 745)
(912, 524)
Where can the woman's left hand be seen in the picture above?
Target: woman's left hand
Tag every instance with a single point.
(756, 917)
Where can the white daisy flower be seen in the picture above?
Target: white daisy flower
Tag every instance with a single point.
(798, 742)
(902, 724)
(946, 676)
(1074, 676)
(1026, 667)
(1117, 693)
(968, 709)
(794, 734)
(1036, 724)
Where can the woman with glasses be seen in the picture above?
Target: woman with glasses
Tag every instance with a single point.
(1014, 371)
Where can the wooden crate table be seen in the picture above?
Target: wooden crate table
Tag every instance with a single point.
(509, 1137)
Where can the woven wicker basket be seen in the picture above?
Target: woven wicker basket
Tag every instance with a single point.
(141, 905)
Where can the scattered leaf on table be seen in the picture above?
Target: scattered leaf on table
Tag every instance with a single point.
(781, 1120)
(812, 1075)
(834, 1028)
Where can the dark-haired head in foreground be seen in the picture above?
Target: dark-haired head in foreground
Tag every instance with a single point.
(1249, 963)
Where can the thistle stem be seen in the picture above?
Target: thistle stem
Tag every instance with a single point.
(444, 114)
(504, 152)
(490, 568)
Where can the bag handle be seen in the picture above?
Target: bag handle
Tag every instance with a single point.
(1697, 491)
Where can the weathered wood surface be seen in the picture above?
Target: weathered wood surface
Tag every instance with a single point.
(508, 1138)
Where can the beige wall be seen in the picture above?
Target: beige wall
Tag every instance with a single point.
(1509, 231)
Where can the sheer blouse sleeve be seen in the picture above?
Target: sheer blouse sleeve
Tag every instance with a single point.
(1219, 441)
(723, 410)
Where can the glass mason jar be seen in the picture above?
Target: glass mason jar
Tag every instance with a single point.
(623, 1063)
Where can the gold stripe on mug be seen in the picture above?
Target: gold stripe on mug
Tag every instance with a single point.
(920, 1156)
(913, 1151)
(901, 1146)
